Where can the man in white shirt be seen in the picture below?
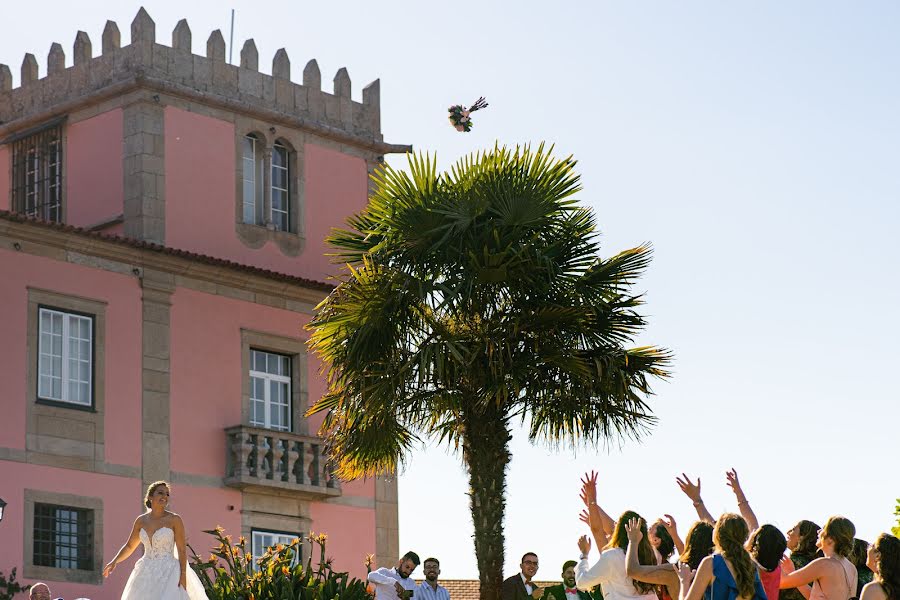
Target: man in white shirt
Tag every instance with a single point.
(395, 583)
(430, 589)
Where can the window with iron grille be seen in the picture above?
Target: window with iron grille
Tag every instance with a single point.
(63, 537)
(37, 174)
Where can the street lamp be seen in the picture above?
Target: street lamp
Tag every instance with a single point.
(2, 508)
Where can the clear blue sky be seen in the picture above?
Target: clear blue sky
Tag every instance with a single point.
(755, 144)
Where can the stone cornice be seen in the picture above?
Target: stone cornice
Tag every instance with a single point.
(140, 81)
(132, 258)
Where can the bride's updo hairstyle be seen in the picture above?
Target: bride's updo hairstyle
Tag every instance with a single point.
(152, 488)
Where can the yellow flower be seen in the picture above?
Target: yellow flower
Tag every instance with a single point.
(286, 571)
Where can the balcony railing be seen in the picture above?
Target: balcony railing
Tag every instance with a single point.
(266, 459)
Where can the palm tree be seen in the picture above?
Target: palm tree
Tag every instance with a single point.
(472, 300)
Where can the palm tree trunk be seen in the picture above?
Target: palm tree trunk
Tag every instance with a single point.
(486, 454)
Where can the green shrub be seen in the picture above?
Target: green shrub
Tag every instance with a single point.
(230, 573)
(896, 529)
(9, 587)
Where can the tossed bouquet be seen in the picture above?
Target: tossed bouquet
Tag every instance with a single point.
(459, 114)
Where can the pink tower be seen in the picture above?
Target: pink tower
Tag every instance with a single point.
(162, 217)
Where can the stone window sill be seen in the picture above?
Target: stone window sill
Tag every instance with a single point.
(257, 236)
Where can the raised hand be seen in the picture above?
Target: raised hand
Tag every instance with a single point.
(734, 484)
(633, 529)
(685, 575)
(787, 565)
(670, 525)
(589, 488)
(585, 518)
(584, 545)
(691, 491)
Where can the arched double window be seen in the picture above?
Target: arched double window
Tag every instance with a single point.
(267, 173)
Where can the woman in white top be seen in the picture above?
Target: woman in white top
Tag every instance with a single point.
(609, 570)
(833, 576)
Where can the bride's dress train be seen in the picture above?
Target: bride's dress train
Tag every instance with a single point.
(156, 574)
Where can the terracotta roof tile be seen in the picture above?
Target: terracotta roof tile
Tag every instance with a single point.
(204, 258)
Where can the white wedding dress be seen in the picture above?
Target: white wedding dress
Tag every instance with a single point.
(156, 574)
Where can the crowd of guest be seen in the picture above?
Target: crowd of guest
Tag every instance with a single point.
(732, 557)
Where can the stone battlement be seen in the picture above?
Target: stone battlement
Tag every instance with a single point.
(174, 70)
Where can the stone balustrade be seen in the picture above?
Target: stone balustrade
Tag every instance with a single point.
(266, 459)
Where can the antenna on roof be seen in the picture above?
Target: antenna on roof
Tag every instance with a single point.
(231, 37)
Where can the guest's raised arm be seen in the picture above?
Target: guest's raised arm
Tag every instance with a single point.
(693, 492)
(672, 527)
(657, 574)
(598, 520)
(743, 504)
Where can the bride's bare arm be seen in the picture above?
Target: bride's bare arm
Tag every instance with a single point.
(178, 528)
(134, 539)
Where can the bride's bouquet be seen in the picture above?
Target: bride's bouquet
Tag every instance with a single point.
(459, 114)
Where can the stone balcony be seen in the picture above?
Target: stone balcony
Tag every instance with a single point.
(267, 460)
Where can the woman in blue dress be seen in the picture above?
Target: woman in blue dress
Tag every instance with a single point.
(728, 574)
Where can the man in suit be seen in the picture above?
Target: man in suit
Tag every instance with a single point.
(567, 590)
(520, 586)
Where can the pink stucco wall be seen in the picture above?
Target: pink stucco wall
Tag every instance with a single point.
(206, 398)
(121, 504)
(4, 177)
(200, 508)
(200, 196)
(93, 177)
(351, 535)
(206, 372)
(18, 271)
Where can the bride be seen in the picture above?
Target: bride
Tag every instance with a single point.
(158, 574)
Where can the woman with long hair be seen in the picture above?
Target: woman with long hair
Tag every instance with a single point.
(698, 544)
(663, 574)
(801, 541)
(662, 541)
(609, 570)
(884, 560)
(833, 577)
(159, 574)
(728, 574)
(860, 559)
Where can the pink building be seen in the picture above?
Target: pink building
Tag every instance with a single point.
(162, 217)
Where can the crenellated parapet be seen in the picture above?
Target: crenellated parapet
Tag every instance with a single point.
(176, 71)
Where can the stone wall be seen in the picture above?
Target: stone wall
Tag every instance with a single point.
(175, 69)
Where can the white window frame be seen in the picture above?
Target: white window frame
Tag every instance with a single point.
(286, 153)
(259, 545)
(267, 390)
(252, 167)
(65, 357)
